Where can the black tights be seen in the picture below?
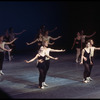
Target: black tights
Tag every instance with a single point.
(41, 76)
(87, 70)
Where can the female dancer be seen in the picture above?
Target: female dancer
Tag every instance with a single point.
(12, 36)
(40, 65)
(7, 39)
(86, 61)
(47, 59)
(77, 43)
(93, 48)
(2, 52)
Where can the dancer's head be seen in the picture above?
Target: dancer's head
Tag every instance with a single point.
(78, 34)
(82, 32)
(91, 41)
(88, 44)
(1, 38)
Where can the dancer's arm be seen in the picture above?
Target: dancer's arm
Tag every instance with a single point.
(55, 50)
(54, 58)
(52, 30)
(32, 59)
(73, 43)
(55, 38)
(88, 36)
(32, 42)
(6, 49)
(20, 32)
(11, 41)
(51, 43)
(97, 48)
(82, 56)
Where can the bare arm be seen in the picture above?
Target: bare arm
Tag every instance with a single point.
(73, 43)
(91, 35)
(32, 42)
(5, 49)
(82, 56)
(11, 41)
(55, 38)
(54, 58)
(52, 30)
(51, 43)
(55, 50)
(32, 59)
(97, 48)
(20, 32)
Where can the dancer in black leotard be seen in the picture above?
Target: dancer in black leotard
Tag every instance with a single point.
(86, 61)
(41, 65)
(77, 44)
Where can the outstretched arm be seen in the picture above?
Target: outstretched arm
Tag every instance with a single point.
(55, 38)
(20, 32)
(32, 42)
(11, 41)
(32, 59)
(97, 48)
(91, 35)
(52, 30)
(54, 58)
(55, 50)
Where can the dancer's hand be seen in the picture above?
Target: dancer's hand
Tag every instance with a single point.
(85, 58)
(81, 63)
(27, 43)
(26, 61)
(63, 50)
(56, 58)
(10, 50)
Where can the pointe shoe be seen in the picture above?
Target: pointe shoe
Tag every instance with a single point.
(1, 73)
(44, 84)
(90, 78)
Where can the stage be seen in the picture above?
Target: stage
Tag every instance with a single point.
(64, 79)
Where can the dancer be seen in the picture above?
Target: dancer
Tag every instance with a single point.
(12, 36)
(39, 41)
(86, 61)
(47, 59)
(7, 39)
(93, 48)
(2, 52)
(77, 44)
(83, 38)
(40, 65)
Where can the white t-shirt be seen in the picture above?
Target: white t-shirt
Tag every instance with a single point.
(44, 51)
(92, 51)
(2, 46)
(47, 52)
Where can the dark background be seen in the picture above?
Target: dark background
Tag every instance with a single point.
(69, 16)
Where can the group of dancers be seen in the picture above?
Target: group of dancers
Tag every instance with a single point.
(83, 48)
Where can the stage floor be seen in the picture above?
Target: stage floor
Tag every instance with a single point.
(64, 79)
